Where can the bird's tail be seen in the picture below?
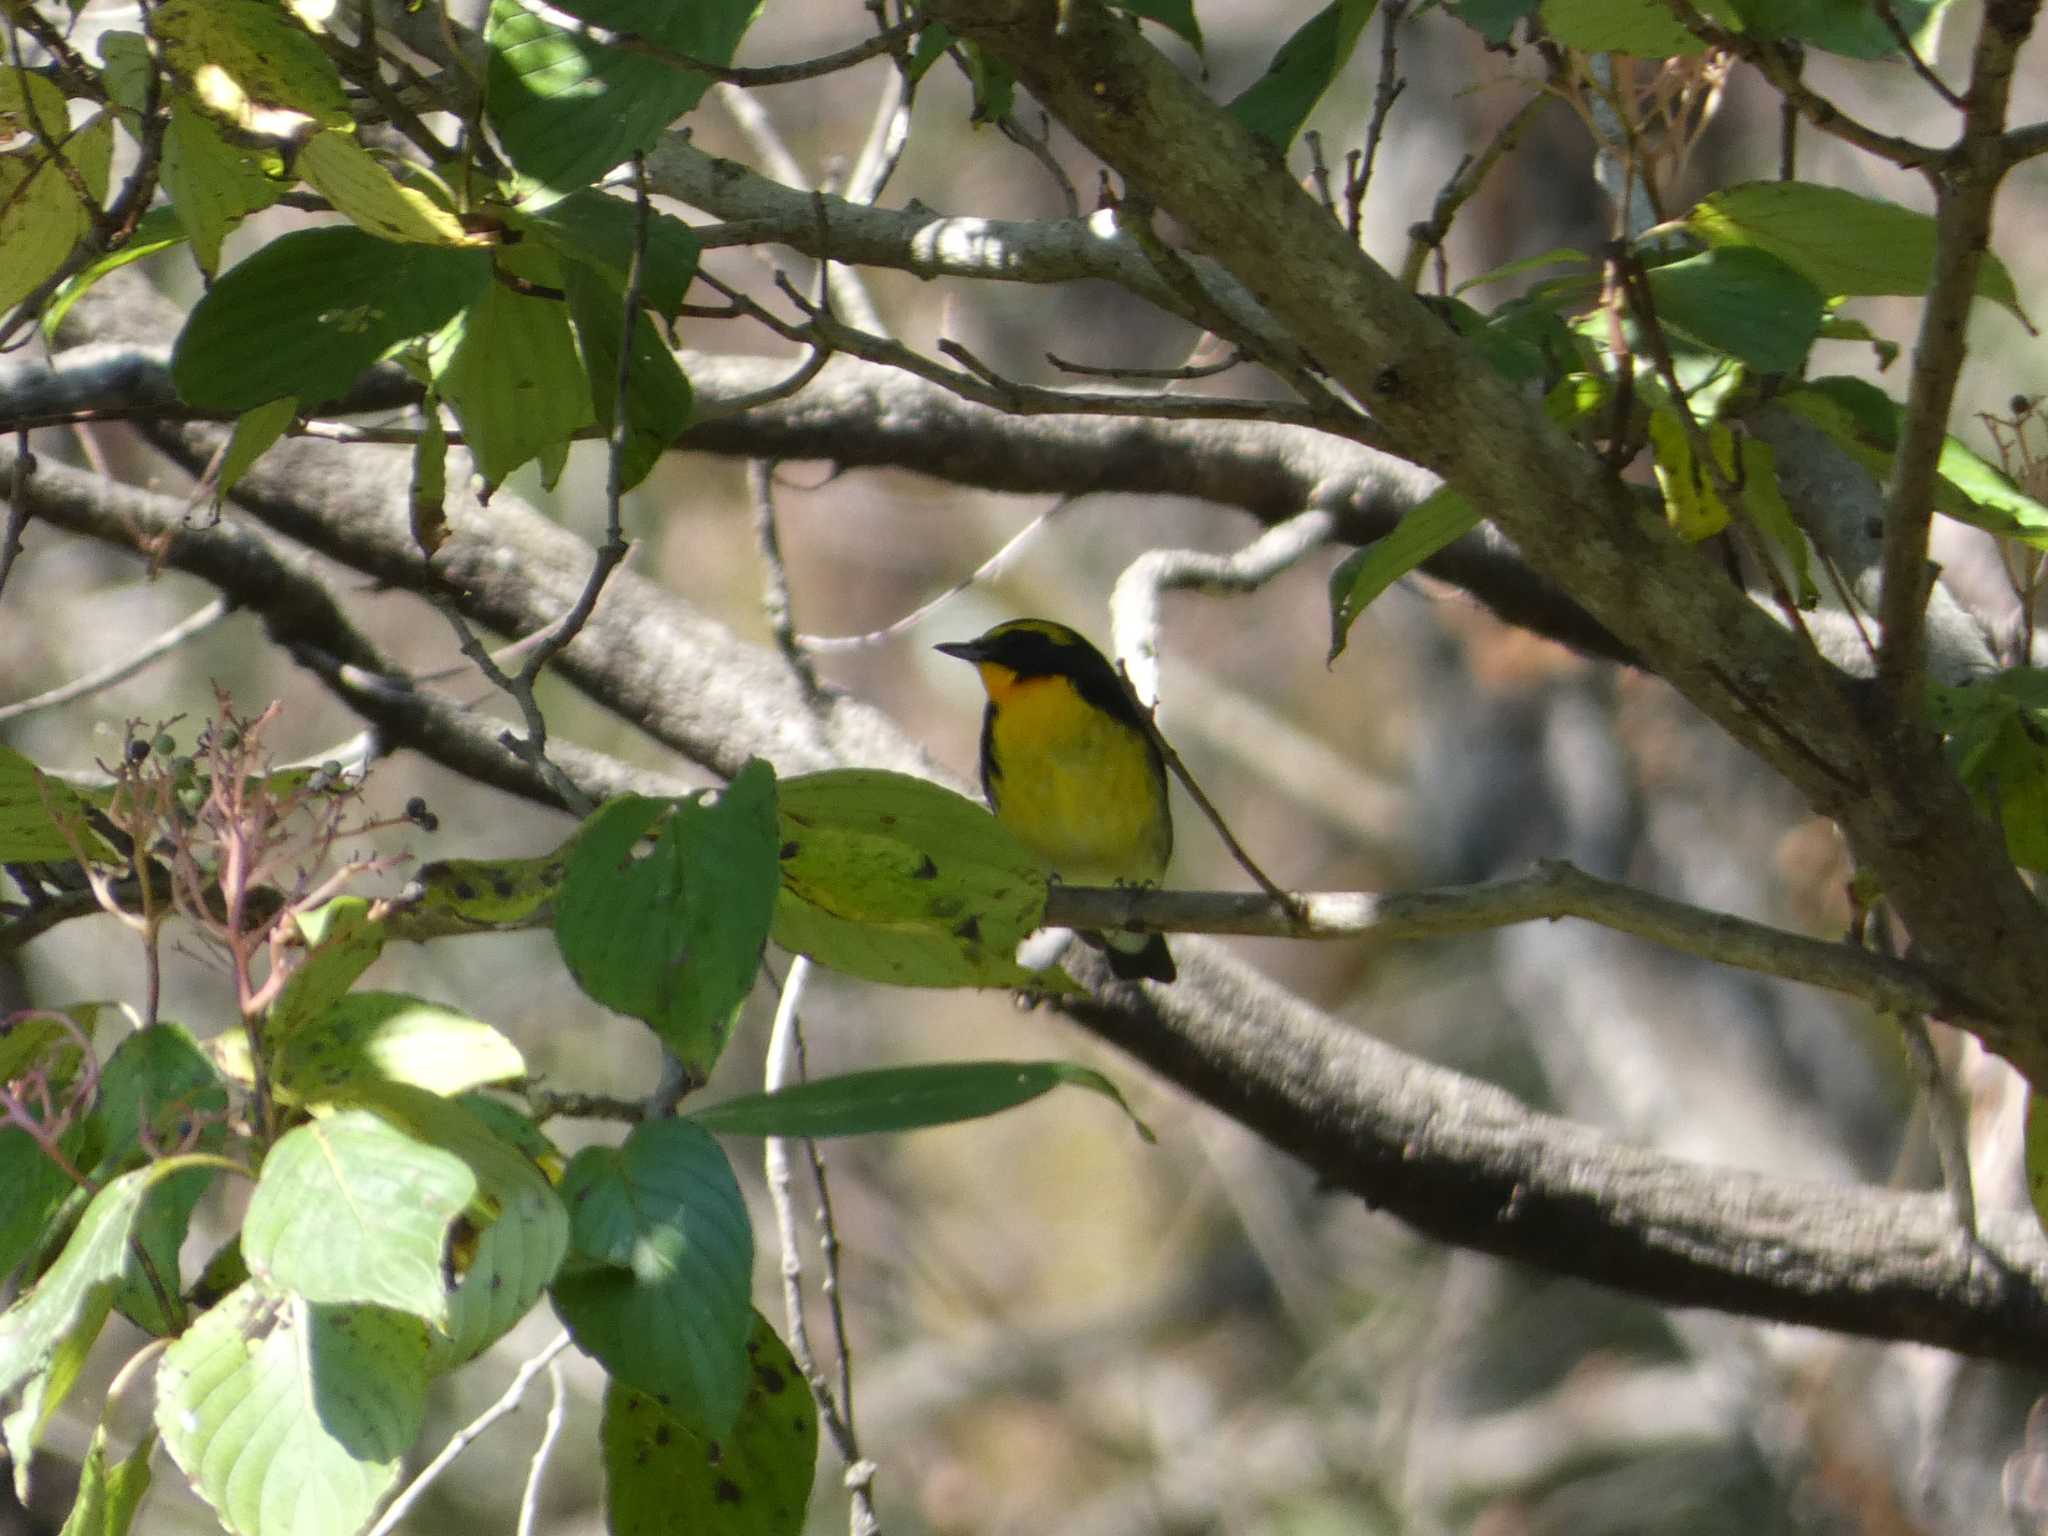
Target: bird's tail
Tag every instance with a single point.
(1135, 956)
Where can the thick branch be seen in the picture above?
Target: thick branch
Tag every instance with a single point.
(1467, 1164)
(930, 244)
(301, 615)
(858, 416)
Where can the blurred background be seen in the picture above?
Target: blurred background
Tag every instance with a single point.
(1056, 1327)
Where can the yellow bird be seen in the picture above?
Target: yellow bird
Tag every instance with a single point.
(1068, 766)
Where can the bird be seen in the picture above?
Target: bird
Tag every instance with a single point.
(1070, 767)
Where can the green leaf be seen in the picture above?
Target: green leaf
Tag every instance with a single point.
(1493, 20)
(371, 1037)
(2037, 1157)
(254, 435)
(32, 1186)
(427, 495)
(128, 71)
(1561, 256)
(36, 1040)
(896, 879)
(567, 108)
(661, 1475)
(82, 1280)
(213, 184)
(663, 1263)
(157, 230)
(1525, 340)
(1436, 522)
(326, 304)
(1575, 398)
(658, 398)
(292, 1419)
(1742, 301)
(356, 183)
(1276, 105)
(158, 1091)
(1177, 16)
(993, 82)
(902, 1099)
(1864, 420)
(1764, 501)
(673, 937)
(1692, 498)
(1841, 328)
(109, 1495)
(343, 942)
(480, 894)
(1988, 498)
(35, 811)
(251, 63)
(1850, 27)
(155, 1087)
(47, 1392)
(351, 1209)
(41, 218)
(593, 229)
(1997, 730)
(1843, 243)
(509, 370)
(1644, 28)
(507, 1247)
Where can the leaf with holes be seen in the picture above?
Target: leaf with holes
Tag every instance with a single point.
(672, 934)
(898, 879)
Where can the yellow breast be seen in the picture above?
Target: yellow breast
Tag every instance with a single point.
(1079, 788)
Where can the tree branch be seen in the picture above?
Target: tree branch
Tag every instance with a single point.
(859, 416)
(1966, 188)
(1553, 890)
(1458, 1159)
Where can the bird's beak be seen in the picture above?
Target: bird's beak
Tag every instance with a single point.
(966, 650)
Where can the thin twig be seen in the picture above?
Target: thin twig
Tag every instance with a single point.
(1134, 601)
(1039, 147)
(987, 570)
(467, 1436)
(784, 1067)
(550, 1433)
(1319, 170)
(889, 132)
(1946, 1126)
(1964, 199)
(1776, 64)
(1183, 374)
(1552, 890)
(1904, 39)
(1237, 850)
(17, 506)
(886, 41)
(983, 385)
(1464, 183)
(1391, 85)
(1134, 610)
(775, 604)
(849, 291)
(610, 554)
(120, 671)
